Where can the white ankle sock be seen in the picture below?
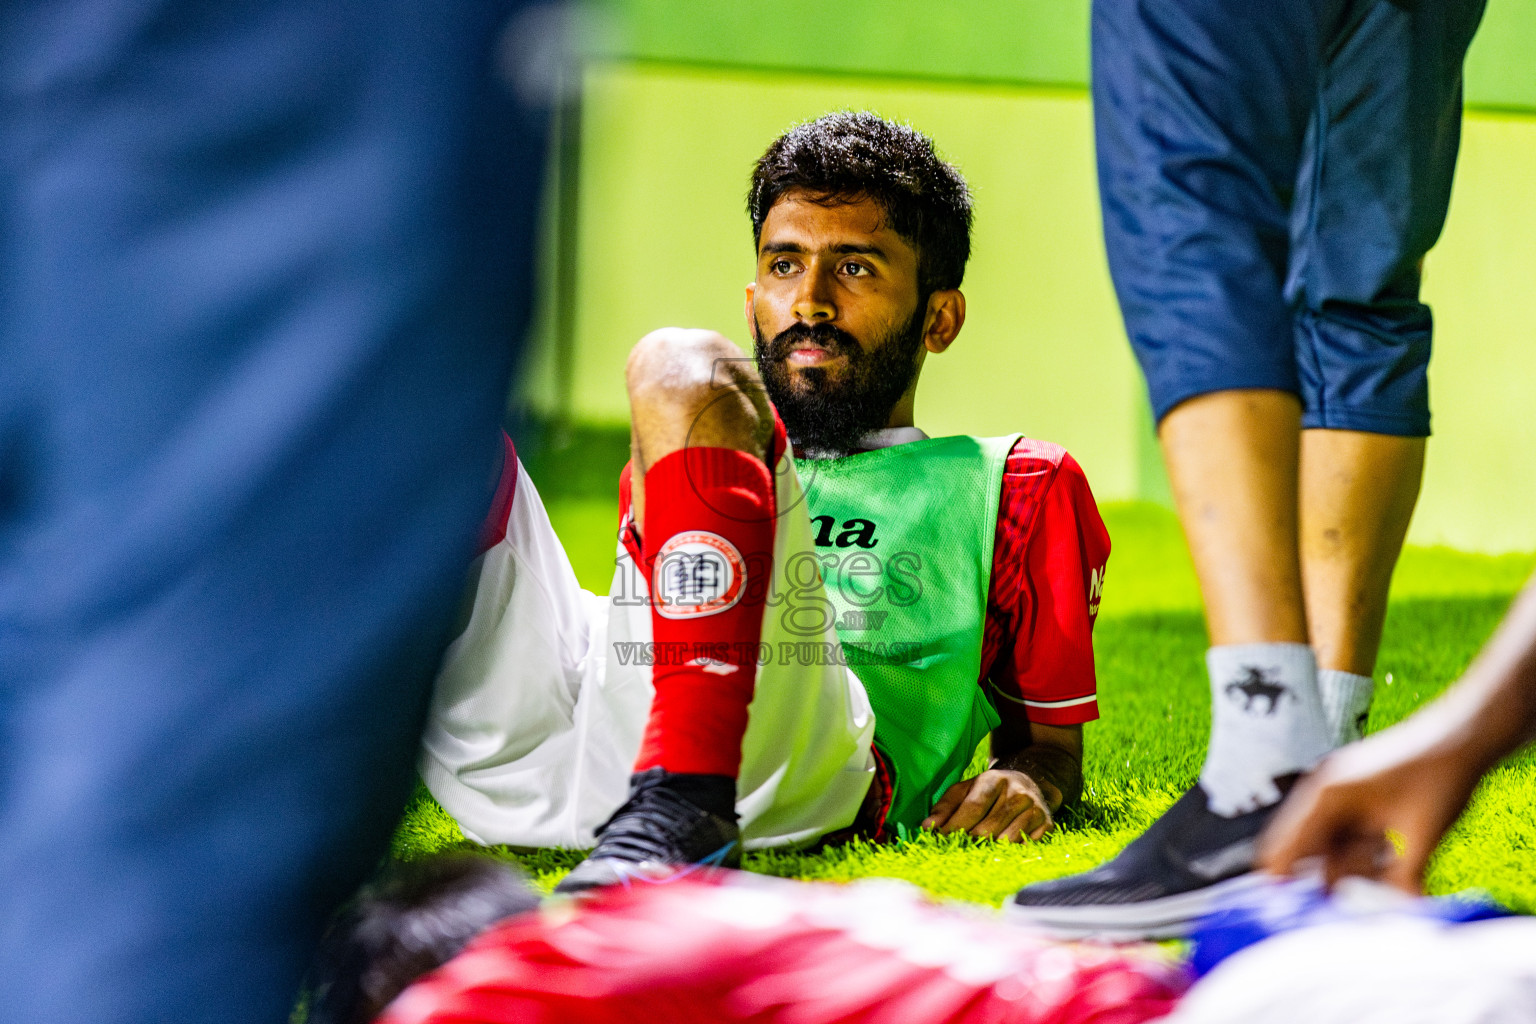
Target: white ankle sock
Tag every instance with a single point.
(1346, 702)
(1266, 721)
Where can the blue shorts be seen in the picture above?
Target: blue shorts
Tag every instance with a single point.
(263, 265)
(1271, 177)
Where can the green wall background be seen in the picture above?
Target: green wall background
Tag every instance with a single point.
(660, 236)
(1480, 482)
(1042, 42)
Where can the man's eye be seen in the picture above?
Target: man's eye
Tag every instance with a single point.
(781, 266)
(855, 269)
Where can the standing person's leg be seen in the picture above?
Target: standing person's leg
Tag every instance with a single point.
(1198, 170)
(1369, 206)
(1201, 117)
(1233, 464)
(1202, 111)
(1232, 460)
(262, 270)
(1370, 201)
(1357, 494)
(1352, 231)
(1293, 542)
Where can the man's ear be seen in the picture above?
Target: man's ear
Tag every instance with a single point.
(946, 315)
(747, 309)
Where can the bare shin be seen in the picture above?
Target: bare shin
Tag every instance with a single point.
(1358, 491)
(1232, 460)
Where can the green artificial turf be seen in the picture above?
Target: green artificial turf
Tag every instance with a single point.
(1154, 701)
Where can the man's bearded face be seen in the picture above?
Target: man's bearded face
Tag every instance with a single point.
(826, 413)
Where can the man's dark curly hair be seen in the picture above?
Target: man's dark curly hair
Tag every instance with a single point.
(413, 919)
(851, 155)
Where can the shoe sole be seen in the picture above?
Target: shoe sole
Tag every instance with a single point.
(1170, 917)
(608, 872)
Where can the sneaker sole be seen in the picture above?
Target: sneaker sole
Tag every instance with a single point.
(1170, 917)
(608, 872)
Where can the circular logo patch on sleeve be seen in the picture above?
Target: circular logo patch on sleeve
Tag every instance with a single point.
(697, 573)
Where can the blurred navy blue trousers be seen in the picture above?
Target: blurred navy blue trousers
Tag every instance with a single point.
(263, 269)
(1272, 172)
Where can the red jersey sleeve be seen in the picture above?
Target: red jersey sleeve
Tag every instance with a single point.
(1047, 574)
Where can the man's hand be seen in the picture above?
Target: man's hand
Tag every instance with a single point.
(1415, 778)
(1408, 780)
(998, 803)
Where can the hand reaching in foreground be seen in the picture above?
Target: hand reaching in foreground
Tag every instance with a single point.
(998, 803)
(1416, 777)
(1405, 780)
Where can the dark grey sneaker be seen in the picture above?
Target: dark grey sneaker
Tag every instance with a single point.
(655, 833)
(1158, 886)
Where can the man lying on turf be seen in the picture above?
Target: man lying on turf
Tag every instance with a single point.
(808, 640)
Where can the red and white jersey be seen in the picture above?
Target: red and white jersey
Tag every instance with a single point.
(542, 701)
(1048, 563)
(769, 951)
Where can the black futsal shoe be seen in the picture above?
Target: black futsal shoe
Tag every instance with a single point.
(1158, 886)
(662, 828)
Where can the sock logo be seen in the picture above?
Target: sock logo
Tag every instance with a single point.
(1256, 685)
(697, 574)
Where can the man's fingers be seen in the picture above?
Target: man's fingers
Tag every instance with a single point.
(939, 816)
(1014, 833)
(1030, 823)
(992, 805)
(1356, 855)
(1282, 844)
(1406, 869)
(1295, 833)
(1017, 815)
(962, 806)
(974, 808)
(1006, 808)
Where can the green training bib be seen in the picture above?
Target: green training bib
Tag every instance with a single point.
(904, 540)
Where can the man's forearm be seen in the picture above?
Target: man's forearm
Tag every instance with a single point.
(1057, 772)
(1494, 705)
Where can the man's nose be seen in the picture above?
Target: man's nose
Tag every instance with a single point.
(814, 298)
